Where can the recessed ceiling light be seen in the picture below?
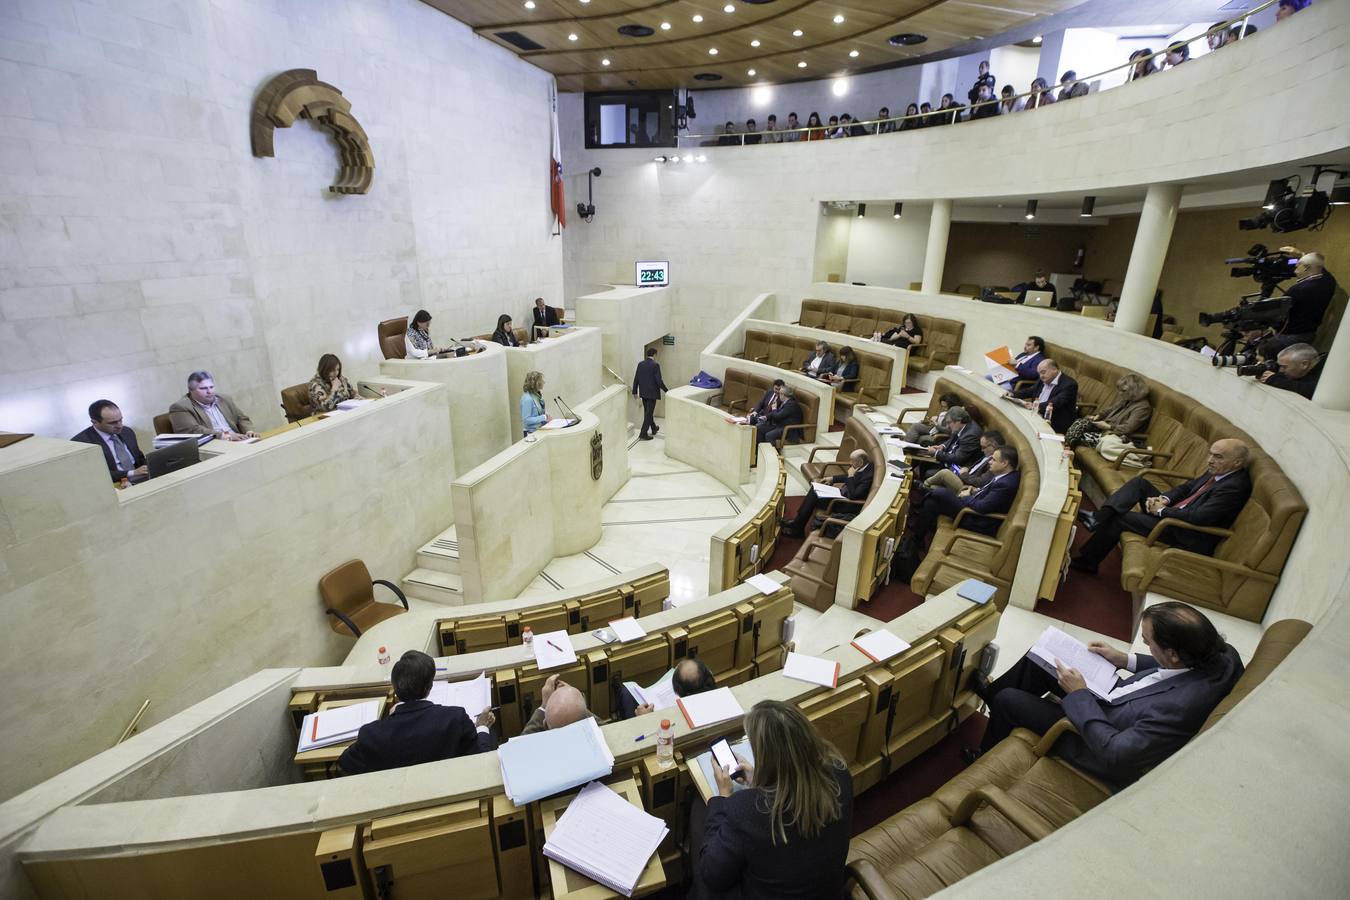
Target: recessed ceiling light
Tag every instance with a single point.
(755, 42)
(750, 72)
(665, 26)
(572, 36)
(802, 64)
(712, 51)
(585, 1)
(604, 62)
(1037, 39)
(728, 8)
(853, 54)
(838, 20)
(698, 18)
(529, 4)
(797, 32)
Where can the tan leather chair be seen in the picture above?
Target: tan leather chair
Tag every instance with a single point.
(756, 346)
(295, 402)
(163, 424)
(941, 345)
(348, 594)
(813, 314)
(735, 396)
(391, 333)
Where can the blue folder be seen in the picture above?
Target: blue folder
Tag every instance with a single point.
(549, 762)
(975, 591)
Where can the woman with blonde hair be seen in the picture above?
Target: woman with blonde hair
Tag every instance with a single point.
(785, 833)
(532, 414)
(1128, 414)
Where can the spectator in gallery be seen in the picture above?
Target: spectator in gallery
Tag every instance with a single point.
(928, 119)
(1040, 95)
(1177, 53)
(1143, 64)
(817, 133)
(1039, 282)
(984, 78)
(1066, 83)
(833, 130)
(120, 450)
(856, 128)
(771, 133)
(950, 112)
(729, 137)
(1217, 36)
(985, 105)
(751, 132)
(911, 119)
(1287, 8)
(886, 125)
(329, 386)
(1008, 100)
(792, 136)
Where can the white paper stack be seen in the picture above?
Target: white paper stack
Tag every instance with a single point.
(824, 672)
(553, 649)
(628, 630)
(1054, 644)
(825, 491)
(880, 645)
(764, 584)
(352, 403)
(546, 762)
(660, 695)
(336, 726)
(473, 696)
(168, 440)
(606, 838)
(710, 707)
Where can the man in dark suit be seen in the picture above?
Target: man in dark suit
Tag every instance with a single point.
(1055, 399)
(120, 451)
(770, 427)
(963, 447)
(976, 474)
(1212, 499)
(544, 316)
(1144, 719)
(417, 730)
(855, 485)
(772, 399)
(648, 386)
(996, 497)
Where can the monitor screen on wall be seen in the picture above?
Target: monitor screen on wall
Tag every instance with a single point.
(652, 274)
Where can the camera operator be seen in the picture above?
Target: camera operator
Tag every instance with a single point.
(1309, 297)
(1296, 369)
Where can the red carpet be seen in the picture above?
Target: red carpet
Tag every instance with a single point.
(918, 778)
(1097, 602)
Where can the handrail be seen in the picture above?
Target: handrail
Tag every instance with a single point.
(1129, 64)
(135, 720)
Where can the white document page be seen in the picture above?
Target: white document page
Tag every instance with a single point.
(555, 424)
(764, 584)
(606, 838)
(906, 445)
(661, 695)
(740, 420)
(473, 696)
(344, 719)
(826, 491)
(1054, 644)
(824, 672)
(880, 645)
(709, 707)
(553, 649)
(628, 629)
(352, 403)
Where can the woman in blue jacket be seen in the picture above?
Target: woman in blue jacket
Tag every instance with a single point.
(532, 413)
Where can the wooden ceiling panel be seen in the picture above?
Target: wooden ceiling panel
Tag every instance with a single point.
(670, 58)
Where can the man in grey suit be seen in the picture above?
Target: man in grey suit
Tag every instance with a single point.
(1145, 719)
(202, 411)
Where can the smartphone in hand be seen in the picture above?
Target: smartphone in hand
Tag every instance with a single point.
(723, 756)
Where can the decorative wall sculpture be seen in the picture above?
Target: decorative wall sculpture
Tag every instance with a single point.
(300, 93)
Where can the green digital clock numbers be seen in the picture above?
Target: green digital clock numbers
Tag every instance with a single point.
(652, 274)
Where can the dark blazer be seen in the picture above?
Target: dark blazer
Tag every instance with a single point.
(1063, 397)
(856, 486)
(847, 371)
(892, 336)
(962, 448)
(506, 338)
(979, 473)
(1026, 365)
(1311, 297)
(1119, 741)
(415, 732)
(1217, 507)
(91, 436)
(994, 497)
(544, 317)
(647, 382)
(1307, 385)
(763, 405)
(1031, 286)
(790, 413)
(827, 363)
(738, 857)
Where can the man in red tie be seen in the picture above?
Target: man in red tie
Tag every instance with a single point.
(1211, 500)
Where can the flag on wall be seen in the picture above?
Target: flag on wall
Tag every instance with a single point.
(555, 191)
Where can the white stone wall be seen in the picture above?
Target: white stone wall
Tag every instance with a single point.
(140, 239)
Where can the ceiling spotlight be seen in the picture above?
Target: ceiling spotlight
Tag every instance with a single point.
(604, 62)
(728, 8)
(750, 72)
(1088, 204)
(838, 20)
(529, 4)
(698, 18)
(853, 54)
(1031, 209)
(712, 51)
(862, 210)
(797, 32)
(898, 207)
(755, 42)
(802, 64)
(1037, 39)
(572, 36)
(665, 26)
(585, 1)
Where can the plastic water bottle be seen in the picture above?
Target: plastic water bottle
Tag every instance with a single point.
(527, 635)
(665, 745)
(384, 657)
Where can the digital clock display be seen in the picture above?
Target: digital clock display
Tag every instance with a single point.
(652, 274)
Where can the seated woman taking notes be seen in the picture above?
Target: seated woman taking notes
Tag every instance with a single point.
(532, 414)
(786, 835)
(329, 387)
(417, 341)
(505, 334)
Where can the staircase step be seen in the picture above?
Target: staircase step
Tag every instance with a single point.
(441, 553)
(432, 586)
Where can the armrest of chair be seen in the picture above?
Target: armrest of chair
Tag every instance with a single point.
(1223, 565)
(764, 358)
(394, 588)
(1141, 453)
(1166, 523)
(835, 501)
(826, 544)
(1048, 739)
(738, 404)
(961, 513)
(864, 874)
(1171, 475)
(1016, 812)
(712, 400)
(351, 626)
(1084, 408)
(782, 439)
(833, 462)
(977, 538)
(1023, 382)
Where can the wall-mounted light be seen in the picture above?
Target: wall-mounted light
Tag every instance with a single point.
(1088, 204)
(862, 210)
(1031, 209)
(898, 208)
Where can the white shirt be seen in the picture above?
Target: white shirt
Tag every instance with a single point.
(814, 364)
(412, 351)
(113, 442)
(1047, 388)
(1152, 678)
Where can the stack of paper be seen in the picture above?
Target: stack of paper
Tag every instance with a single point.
(546, 762)
(352, 403)
(168, 440)
(472, 696)
(880, 645)
(554, 424)
(628, 630)
(660, 695)
(825, 491)
(764, 584)
(336, 726)
(606, 838)
(553, 649)
(1054, 645)
(975, 591)
(710, 707)
(824, 672)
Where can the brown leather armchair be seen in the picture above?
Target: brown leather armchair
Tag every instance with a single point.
(348, 594)
(163, 424)
(295, 402)
(390, 333)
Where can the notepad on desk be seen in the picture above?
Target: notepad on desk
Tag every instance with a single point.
(553, 649)
(473, 696)
(336, 725)
(824, 672)
(975, 591)
(880, 645)
(764, 584)
(710, 707)
(628, 629)
(555, 424)
(546, 762)
(1054, 645)
(606, 838)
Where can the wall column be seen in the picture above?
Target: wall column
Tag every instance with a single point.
(1146, 258)
(1333, 387)
(935, 257)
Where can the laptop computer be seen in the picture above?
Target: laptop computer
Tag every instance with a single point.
(172, 458)
(1043, 299)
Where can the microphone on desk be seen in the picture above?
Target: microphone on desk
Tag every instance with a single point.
(362, 386)
(567, 410)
